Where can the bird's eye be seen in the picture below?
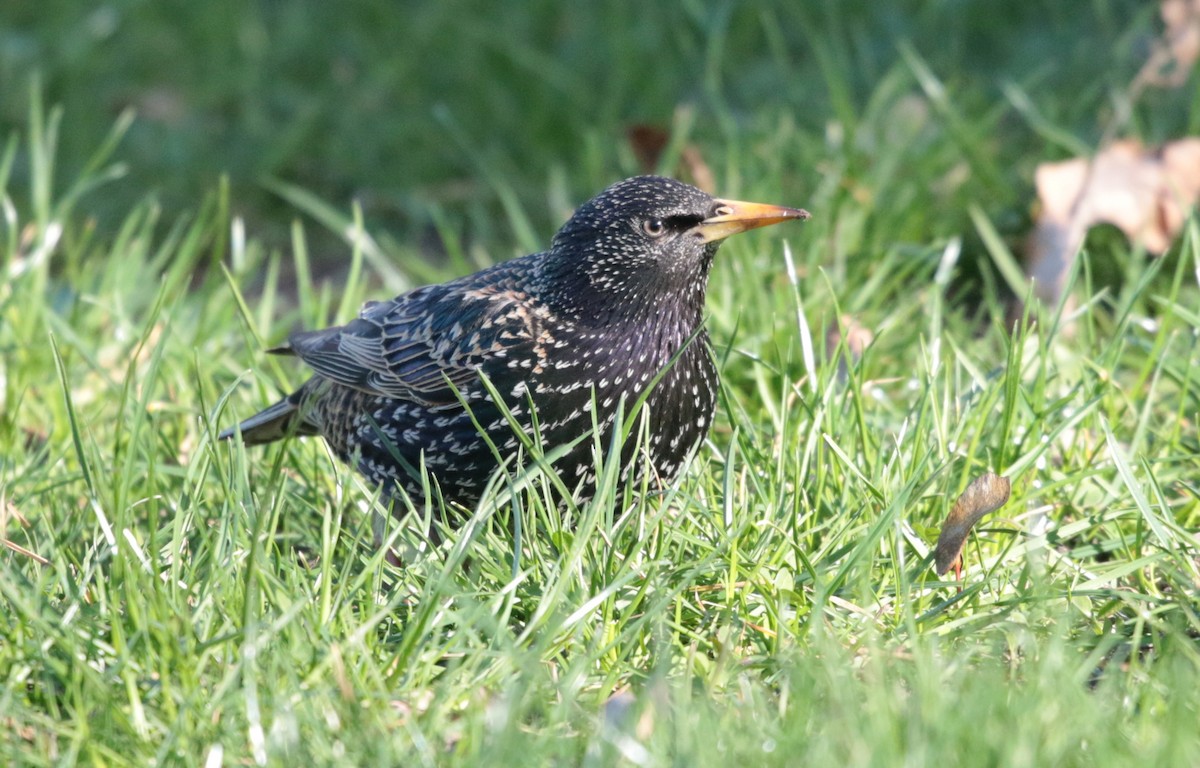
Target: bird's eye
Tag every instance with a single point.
(654, 227)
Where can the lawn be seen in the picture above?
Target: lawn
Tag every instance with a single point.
(171, 599)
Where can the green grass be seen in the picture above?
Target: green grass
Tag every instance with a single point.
(463, 108)
(179, 600)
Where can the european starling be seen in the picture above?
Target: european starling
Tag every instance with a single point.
(564, 336)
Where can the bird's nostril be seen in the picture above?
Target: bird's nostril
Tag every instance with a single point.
(724, 210)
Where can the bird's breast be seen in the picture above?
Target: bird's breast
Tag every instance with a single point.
(587, 375)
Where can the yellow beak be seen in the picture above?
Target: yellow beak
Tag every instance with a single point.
(734, 216)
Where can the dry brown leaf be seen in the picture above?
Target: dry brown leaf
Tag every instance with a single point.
(697, 169)
(648, 142)
(983, 496)
(1176, 53)
(1146, 193)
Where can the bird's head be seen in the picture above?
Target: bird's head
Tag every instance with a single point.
(650, 239)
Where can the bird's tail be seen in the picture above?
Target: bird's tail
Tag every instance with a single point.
(286, 418)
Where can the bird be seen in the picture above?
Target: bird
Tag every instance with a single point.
(609, 317)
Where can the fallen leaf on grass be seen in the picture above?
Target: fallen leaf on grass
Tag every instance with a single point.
(1174, 55)
(983, 496)
(650, 141)
(1146, 193)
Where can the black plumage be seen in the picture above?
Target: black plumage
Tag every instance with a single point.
(563, 336)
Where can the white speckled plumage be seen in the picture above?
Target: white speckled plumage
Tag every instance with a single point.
(582, 327)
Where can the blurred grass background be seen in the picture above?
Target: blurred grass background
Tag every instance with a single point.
(775, 607)
(420, 110)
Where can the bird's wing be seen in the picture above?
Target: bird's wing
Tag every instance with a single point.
(427, 343)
